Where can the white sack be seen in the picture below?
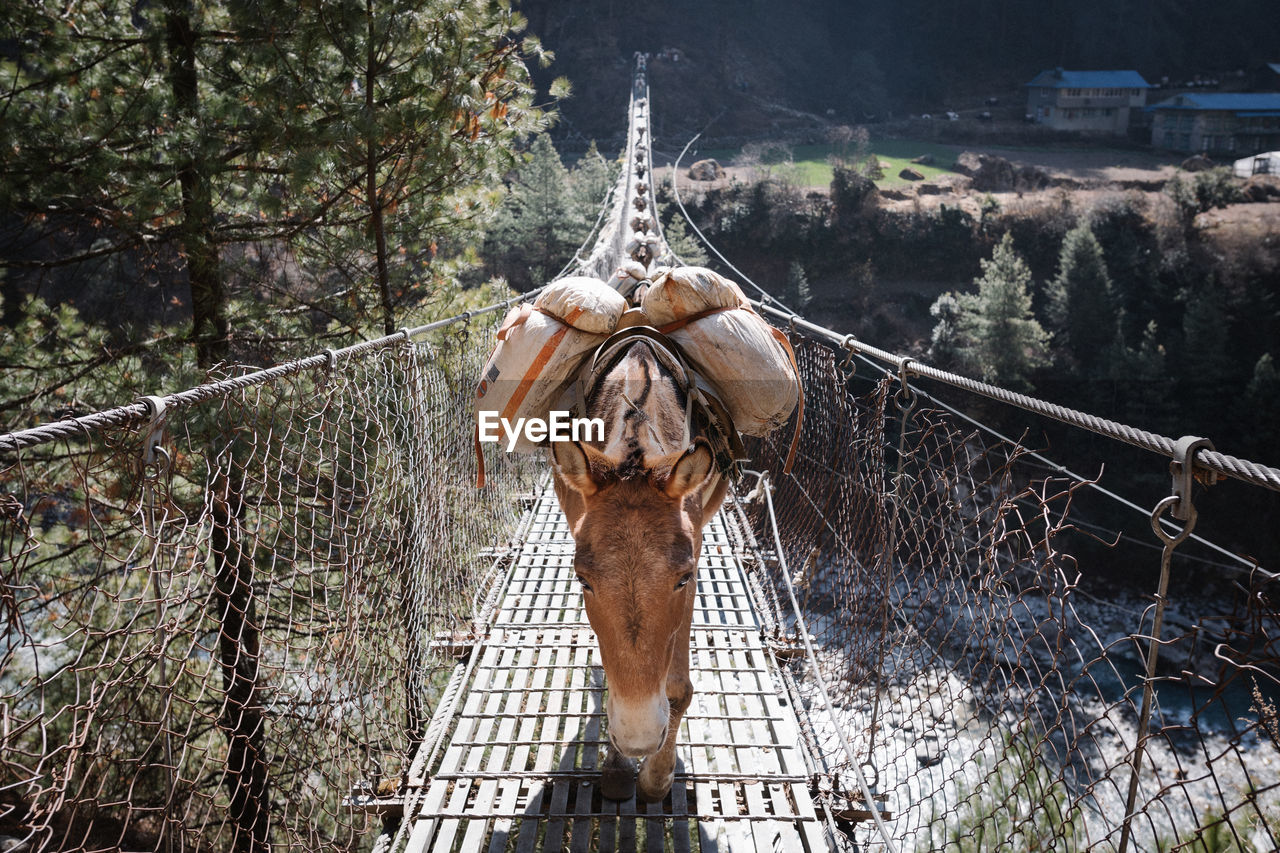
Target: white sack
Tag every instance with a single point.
(733, 349)
(542, 346)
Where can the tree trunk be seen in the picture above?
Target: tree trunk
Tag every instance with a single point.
(209, 326)
(243, 718)
(413, 608)
(374, 198)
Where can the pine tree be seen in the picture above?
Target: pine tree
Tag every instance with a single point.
(1144, 374)
(944, 346)
(592, 177)
(1081, 310)
(412, 106)
(117, 127)
(1000, 338)
(684, 245)
(349, 130)
(1206, 368)
(538, 229)
(1262, 409)
(797, 288)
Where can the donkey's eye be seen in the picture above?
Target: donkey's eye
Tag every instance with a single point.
(684, 581)
(586, 587)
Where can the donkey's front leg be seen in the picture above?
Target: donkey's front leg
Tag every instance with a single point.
(617, 776)
(656, 774)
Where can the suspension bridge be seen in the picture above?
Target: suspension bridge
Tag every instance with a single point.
(271, 612)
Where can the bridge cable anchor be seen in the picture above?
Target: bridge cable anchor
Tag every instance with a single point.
(1179, 505)
(1182, 469)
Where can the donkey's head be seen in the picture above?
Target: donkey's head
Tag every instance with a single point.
(638, 530)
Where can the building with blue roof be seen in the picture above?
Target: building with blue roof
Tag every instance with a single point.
(1087, 101)
(1238, 123)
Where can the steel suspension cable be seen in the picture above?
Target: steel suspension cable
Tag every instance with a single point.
(135, 412)
(1210, 460)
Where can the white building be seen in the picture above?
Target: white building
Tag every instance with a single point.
(1258, 164)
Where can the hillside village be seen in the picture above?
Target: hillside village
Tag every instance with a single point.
(1200, 118)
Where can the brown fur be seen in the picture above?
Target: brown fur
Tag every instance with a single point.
(636, 505)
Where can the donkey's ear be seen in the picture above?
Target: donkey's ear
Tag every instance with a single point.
(690, 471)
(579, 466)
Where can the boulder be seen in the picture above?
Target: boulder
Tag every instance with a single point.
(989, 174)
(932, 189)
(911, 175)
(923, 160)
(968, 163)
(706, 170)
(997, 175)
(1031, 178)
(1262, 188)
(1197, 163)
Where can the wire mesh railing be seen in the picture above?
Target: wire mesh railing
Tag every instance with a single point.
(996, 691)
(207, 646)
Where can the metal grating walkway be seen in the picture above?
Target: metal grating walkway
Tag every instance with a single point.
(518, 770)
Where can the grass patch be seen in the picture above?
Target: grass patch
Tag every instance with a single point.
(809, 166)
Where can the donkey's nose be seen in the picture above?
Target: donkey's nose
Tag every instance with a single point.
(637, 747)
(639, 728)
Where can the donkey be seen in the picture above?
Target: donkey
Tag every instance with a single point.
(636, 503)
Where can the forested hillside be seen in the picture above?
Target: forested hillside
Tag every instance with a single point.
(741, 59)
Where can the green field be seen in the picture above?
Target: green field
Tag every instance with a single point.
(809, 166)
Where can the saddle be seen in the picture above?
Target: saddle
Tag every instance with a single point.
(702, 405)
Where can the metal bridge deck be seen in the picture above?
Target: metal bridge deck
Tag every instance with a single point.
(519, 769)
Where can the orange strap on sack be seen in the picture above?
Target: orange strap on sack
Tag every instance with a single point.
(513, 319)
(693, 318)
(781, 338)
(479, 459)
(531, 374)
(540, 361)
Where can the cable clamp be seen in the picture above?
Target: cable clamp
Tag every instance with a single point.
(905, 398)
(848, 367)
(155, 459)
(1183, 470)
